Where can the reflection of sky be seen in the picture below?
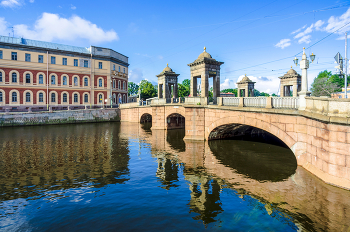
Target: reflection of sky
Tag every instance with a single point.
(138, 202)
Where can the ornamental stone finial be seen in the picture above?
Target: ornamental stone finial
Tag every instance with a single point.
(205, 48)
(167, 64)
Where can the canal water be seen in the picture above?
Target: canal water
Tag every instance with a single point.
(126, 177)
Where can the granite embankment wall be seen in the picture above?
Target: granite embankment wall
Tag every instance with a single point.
(59, 117)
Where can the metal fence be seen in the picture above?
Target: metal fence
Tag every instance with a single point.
(285, 102)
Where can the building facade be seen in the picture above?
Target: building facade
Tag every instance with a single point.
(35, 73)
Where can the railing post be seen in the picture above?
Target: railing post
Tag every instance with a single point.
(269, 102)
(219, 101)
(240, 102)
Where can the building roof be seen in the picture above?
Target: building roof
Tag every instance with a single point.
(245, 80)
(290, 74)
(204, 54)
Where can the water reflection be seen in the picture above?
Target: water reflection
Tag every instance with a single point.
(36, 159)
(258, 161)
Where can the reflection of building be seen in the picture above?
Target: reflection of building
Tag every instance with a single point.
(34, 73)
(167, 171)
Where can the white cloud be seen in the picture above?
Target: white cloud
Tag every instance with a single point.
(73, 7)
(226, 84)
(31, 1)
(264, 84)
(296, 31)
(10, 3)
(283, 43)
(136, 75)
(53, 27)
(305, 39)
(335, 23)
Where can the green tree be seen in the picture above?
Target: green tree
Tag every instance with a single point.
(274, 95)
(264, 94)
(184, 88)
(132, 88)
(234, 91)
(326, 83)
(147, 89)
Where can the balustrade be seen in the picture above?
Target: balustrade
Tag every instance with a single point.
(285, 102)
(259, 102)
(230, 101)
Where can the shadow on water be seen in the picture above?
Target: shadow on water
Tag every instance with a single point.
(36, 159)
(175, 139)
(259, 161)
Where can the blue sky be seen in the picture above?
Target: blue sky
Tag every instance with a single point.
(249, 36)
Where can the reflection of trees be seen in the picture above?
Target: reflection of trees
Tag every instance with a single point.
(37, 159)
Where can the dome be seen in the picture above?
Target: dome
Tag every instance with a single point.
(204, 54)
(167, 69)
(292, 71)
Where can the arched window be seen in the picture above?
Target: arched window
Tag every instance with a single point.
(1, 97)
(27, 97)
(27, 78)
(53, 97)
(114, 98)
(0, 76)
(64, 97)
(86, 98)
(100, 98)
(114, 84)
(14, 77)
(124, 85)
(100, 83)
(86, 81)
(124, 99)
(64, 80)
(75, 81)
(14, 97)
(53, 80)
(41, 97)
(41, 79)
(119, 85)
(75, 97)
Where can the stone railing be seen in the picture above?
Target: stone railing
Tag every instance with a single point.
(259, 102)
(230, 101)
(336, 107)
(285, 102)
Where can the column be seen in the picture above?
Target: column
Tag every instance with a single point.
(295, 90)
(204, 84)
(193, 86)
(175, 90)
(246, 91)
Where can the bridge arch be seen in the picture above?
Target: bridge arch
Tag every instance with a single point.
(146, 117)
(175, 121)
(257, 123)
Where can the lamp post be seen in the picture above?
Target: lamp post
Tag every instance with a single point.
(304, 65)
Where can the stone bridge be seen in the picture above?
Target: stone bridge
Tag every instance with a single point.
(319, 135)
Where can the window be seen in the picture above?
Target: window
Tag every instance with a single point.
(100, 98)
(119, 68)
(75, 81)
(114, 84)
(1, 97)
(64, 80)
(0, 76)
(86, 81)
(27, 78)
(100, 65)
(27, 97)
(75, 62)
(14, 97)
(86, 63)
(124, 99)
(75, 97)
(86, 98)
(113, 66)
(14, 77)
(100, 83)
(41, 79)
(124, 85)
(53, 80)
(13, 55)
(53, 60)
(64, 97)
(0, 54)
(41, 97)
(53, 97)
(124, 70)
(27, 57)
(64, 61)
(41, 59)
(119, 85)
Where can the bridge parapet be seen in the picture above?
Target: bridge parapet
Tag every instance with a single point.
(332, 107)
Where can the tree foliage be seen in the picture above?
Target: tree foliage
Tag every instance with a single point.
(132, 88)
(326, 83)
(184, 88)
(234, 91)
(147, 89)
